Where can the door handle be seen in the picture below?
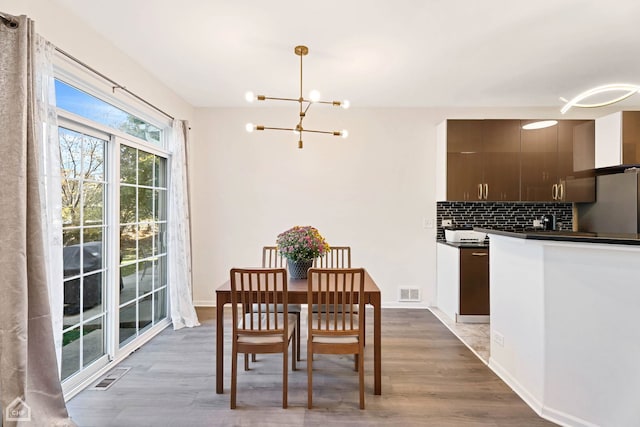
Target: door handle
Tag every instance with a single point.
(561, 195)
(486, 191)
(554, 191)
(479, 191)
(479, 254)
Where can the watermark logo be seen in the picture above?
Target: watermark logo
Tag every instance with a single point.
(18, 410)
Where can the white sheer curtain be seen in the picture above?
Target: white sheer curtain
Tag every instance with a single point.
(179, 231)
(50, 187)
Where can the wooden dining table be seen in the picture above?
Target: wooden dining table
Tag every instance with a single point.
(297, 293)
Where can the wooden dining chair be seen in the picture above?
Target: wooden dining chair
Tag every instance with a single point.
(337, 257)
(257, 326)
(339, 331)
(271, 258)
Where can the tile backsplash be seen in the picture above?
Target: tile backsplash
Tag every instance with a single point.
(508, 216)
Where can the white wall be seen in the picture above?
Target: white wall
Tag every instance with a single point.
(370, 191)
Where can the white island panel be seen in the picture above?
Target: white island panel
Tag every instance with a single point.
(565, 330)
(517, 324)
(592, 333)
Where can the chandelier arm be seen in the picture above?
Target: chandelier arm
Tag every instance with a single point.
(274, 128)
(273, 98)
(320, 131)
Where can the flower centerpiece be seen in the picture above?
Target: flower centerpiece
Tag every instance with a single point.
(300, 246)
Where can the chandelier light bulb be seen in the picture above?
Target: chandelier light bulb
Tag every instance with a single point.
(250, 96)
(344, 133)
(345, 104)
(250, 127)
(314, 96)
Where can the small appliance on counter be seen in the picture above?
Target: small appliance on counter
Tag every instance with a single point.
(548, 222)
(463, 236)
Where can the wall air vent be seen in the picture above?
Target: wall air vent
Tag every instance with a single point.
(409, 295)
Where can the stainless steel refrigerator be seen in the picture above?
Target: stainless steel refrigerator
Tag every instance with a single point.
(617, 206)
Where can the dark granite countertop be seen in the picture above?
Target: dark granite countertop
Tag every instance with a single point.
(568, 236)
(461, 245)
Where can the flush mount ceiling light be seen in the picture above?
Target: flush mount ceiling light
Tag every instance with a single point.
(540, 124)
(628, 90)
(314, 98)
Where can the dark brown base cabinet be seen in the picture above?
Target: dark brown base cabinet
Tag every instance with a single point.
(474, 282)
(462, 283)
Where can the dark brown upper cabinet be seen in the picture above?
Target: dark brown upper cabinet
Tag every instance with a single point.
(552, 159)
(482, 160)
(497, 160)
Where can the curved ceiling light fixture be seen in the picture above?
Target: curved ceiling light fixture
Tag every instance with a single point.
(540, 124)
(628, 90)
(314, 98)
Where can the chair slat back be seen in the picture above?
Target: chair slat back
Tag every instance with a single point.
(271, 258)
(337, 257)
(340, 300)
(255, 291)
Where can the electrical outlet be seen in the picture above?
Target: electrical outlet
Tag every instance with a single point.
(537, 223)
(447, 222)
(498, 338)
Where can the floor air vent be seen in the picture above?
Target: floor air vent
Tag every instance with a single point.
(409, 294)
(111, 377)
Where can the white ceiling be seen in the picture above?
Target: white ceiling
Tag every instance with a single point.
(400, 53)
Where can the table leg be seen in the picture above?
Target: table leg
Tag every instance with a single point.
(377, 344)
(219, 346)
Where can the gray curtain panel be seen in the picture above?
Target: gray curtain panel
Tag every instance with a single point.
(30, 388)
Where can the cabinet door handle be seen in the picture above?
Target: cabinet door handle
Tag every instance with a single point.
(561, 195)
(486, 191)
(554, 191)
(479, 254)
(479, 191)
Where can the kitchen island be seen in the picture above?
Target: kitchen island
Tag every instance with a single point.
(564, 324)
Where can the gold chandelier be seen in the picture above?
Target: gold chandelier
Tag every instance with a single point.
(314, 98)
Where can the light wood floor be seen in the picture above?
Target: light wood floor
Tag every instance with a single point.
(429, 379)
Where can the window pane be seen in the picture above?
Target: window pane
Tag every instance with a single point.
(70, 153)
(145, 312)
(129, 283)
(160, 305)
(93, 340)
(162, 239)
(92, 291)
(127, 322)
(145, 242)
(93, 196)
(160, 272)
(71, 297)
(78, 102)
(160, 205)
(145, 168)
(70, 352)
(160, 172)
(128, 204)
(70, 202)
(93, 158)
(128, 165)
(145, 277)
(128, 249)
(91, 252)
(145, 204)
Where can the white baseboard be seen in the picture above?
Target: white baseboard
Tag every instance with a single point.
(204, 303)
(524, 394)
(553, 415)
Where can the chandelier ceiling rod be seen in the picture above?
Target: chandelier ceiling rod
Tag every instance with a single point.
(313, 99)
